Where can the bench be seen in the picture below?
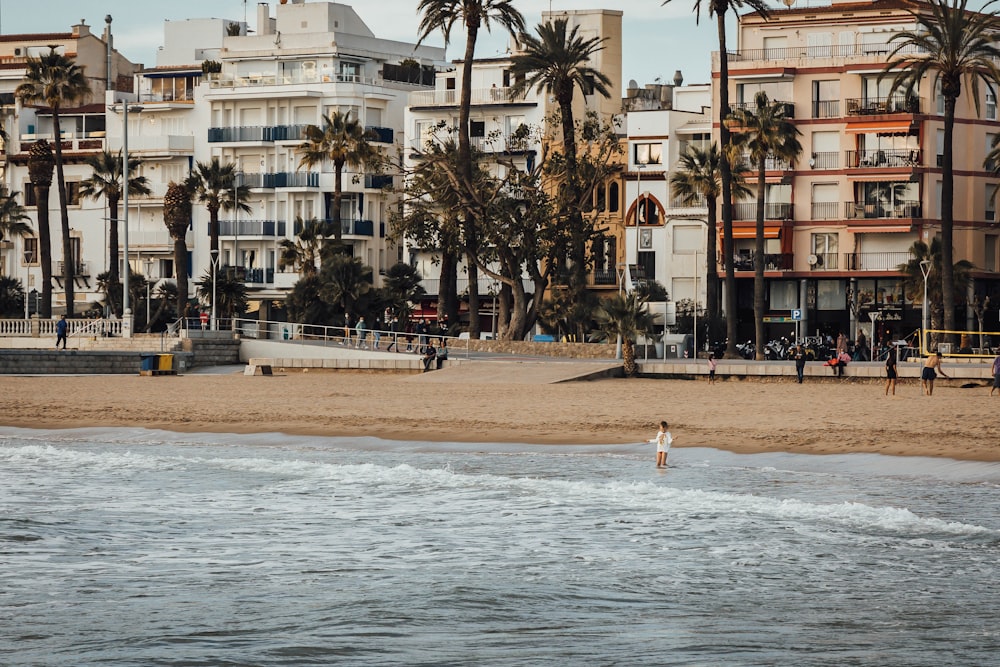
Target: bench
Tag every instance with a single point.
(251, 369)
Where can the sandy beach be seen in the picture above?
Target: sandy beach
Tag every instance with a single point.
(822, 417)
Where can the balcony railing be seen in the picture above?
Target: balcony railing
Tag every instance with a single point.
(823, 261)
(224, 80)
(480, 96)
(826, 109)
(876, 261)
(282, 179)
(378, 181)
(877, 106)
(605, 277)
(772, 211)
(79, 269)
(803, 51)
(883, 158)
(92, 141)
(770, 164)
(382, 135)
(252, 228)
(772, 261)
(256, 133)
(787, 107)
(825, 160)
(825, 210)
(259, 276)
(901, 209)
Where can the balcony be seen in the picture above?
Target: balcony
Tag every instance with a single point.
(876, 261)
(787, 107)
(900, 209)
(226, 80)
(252, 228)
(825, 160)
(603, 278)
(865, 51)
(256, 133)
(79, 269)
(887, 159)
(772, 211)
(378, 181)
(90, 141)
(825, 210)
(347, 227)
(282, 179)
(258, 276)
(772, 261)
(380, 135)
(450, 98)
(880, 106)
(826, 108)
(823, 261)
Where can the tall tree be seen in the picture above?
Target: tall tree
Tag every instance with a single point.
(951, 45)
(343, 141)
(764, 133)
(625, 315)
(697, 180)
(556, 63)
(344, 281)
(304, 253)
(40, 166)
(719, 9)
(54, 79)
(474, 14)
(913, 278)
(214, 184)
(106, 181)
(13, 219)
(177, 218)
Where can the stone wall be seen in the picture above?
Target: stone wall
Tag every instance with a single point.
(531, 348)
(75, 362)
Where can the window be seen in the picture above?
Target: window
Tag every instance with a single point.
(648, 153)
(784, 294)
(600, 197)
(826, 99)
(831, 295)
(825, 150)
(991, 201)
(823, 251)
(825, 201)
(613, 197)
(990, 245)
(647, 265)
(30, 251)
(990, 165)
(604, 250)
(991, 105)
(477, 128)
(648, 211)
(687, 239)
(780, 91)
(939, 98)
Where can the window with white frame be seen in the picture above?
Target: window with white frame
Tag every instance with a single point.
(989, 165)
(831, 295)
(30, 250)
(991, 201)
(784, 294)
(991, 105)
(651, 153)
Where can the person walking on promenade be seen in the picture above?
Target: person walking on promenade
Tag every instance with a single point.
(930, 371)
(996, 374)
(890, 371)
(61, 327)
(712, 364)
(800, 362)
(861, 346)
(663, 441)
(841, 344)
(393, 335)
(362, 331)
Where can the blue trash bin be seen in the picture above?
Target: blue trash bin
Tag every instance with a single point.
(148, 362)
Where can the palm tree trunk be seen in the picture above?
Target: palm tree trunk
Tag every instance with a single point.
(114, 275)
(758, 264)
(947, 221)
(448, 287)
(712, 273)
(726, 176)
(338, 194)
(628, 357)
(67, 244)
(44, 249)
(465, 160)
(181, 274)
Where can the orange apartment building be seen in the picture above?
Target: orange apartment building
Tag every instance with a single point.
(868, 184)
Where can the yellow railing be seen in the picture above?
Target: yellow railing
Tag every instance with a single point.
(979, 343)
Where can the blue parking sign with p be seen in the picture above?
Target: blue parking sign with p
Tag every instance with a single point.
(797, 314)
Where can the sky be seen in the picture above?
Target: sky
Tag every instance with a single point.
(657, 39)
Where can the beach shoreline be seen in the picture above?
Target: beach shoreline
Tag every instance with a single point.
(741, 417)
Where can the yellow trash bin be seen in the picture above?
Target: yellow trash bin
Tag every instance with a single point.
(165, 362)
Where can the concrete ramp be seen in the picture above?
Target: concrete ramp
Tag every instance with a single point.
(520, 372)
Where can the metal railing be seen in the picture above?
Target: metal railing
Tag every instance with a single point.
(492, 95)
(876, 261)
(886, 158)
(832, 51)
(826, 108)
(281, 179)
(772, 211)
(772, 262)
(825, 160)
(877, 106)
(825, 210)
(79, 269)
(251, 228)
(900, 209)
(824, 261)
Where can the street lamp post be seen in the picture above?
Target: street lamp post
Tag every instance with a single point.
(215, 272)
(695, 328)
(126, 304)
(925, 269)
(149, 266)
(638, 211)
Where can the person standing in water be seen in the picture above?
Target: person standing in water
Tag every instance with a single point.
(663, 441)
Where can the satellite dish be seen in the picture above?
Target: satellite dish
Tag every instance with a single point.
(812, 260)
(788, 3)
(812, 163)
(632, 83)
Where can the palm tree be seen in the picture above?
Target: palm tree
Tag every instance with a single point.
(719, 9)
(303, 253)
(950, 45)
(54, 79)
(402, 287)
(177, 218)
(230, 293)
(106, 181)
(696, 180)
(343, 141)
(474, 14)
(344, 281)
(556, 63)
(13, 219)
(764, 132)
(40, 165)
(11, 297)
(913, 278)
(214, 185)
(625, 315)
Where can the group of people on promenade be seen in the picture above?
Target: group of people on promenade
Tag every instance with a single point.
(414, 334)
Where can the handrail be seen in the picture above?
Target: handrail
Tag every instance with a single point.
(100, 326)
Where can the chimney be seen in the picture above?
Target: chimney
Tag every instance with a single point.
(81, 29)
(263, 19)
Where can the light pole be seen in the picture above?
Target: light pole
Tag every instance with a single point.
(215, 272)
(126, 305)
(149, 267)
(695, 329)
(925, 269)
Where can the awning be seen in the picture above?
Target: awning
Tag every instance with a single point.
(880, 127)
(770, 232)
(880, 229)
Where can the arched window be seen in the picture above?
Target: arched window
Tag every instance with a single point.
(600, 196)
(613, 197)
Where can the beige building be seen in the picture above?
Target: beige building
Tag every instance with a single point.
(868, 183)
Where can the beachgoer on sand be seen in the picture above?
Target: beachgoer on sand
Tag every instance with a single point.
(890, 372)
(996, 374)
(663, 441)
(932, 367)
(712, 364)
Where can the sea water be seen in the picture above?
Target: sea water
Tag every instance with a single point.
(136, 547)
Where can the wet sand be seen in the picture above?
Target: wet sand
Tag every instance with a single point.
(819, 417)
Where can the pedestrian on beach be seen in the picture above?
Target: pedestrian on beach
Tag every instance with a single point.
(996, 374)
(663, 441)
(442, 352)
(890, 371)
(800, 362)
(430, 356)
(932, 367)
(61, 327)
(712, 363)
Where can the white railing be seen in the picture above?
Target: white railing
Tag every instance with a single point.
(75, 327)
(451, 97)
(15, 327)
(100, 327)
